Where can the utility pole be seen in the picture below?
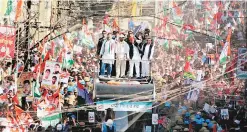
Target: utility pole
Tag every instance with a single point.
(27, 35)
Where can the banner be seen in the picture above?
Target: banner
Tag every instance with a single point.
(91, 117)
(193, 94)
(242, 64)
(7, 42)
(124, 106)
(51, 120)
(25, 84)
(51, 75)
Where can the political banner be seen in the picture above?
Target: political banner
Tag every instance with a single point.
(51, 75)
(25, 84)
(7, 42)
(124, 106)
(45, 109)
(155, 118)
(242, 64)
(91, 117)
(51, 120)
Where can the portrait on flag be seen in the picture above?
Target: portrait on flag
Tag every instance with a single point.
(51, 75)
(25, 84)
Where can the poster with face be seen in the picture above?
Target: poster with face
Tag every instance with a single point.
(193, 94)
(51, 75)
(25, 84)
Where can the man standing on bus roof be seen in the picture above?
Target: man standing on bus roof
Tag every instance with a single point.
(122, 53)
(148, 51)
(135, 56)
(108, 55)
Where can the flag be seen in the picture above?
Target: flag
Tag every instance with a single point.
(114, 24)
(15, 99)
(177, 20)
(47, 56)
(106, 19)
(79, 85)
(188, 27)
(177, 8)
(18, 9)
(9, 7)
(134, 7)
(223, 54)
(131, 24)
(187, 66)
(52, 48)
(36, 68)
(166, 44)
(36, 92)
(3, 6)
(189, 75)
(228, 39)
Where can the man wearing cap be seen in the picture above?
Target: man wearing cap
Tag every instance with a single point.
(122, 54)
(108, 55)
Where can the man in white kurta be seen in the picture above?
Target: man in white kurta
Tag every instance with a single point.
(122, 53)
(108, 55)
(135, 61)
(148, 50)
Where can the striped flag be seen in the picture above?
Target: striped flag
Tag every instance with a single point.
(223, 55)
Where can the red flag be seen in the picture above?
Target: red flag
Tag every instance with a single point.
(106, 19)
(42, 67)
(52, 48)
(47, 56)
(188, 27)
(114, 24)
(36, 68)
(189, 52)
(187, 66)
(45, 92)
(15, 99)
(3, 97)
(79, 85)
(18, 110)
(165, 22)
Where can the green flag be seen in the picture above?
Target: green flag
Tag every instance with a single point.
(36, 92)
(177, 43)
(223, 54)
(166, 44)
(177, 20)
(9, 7)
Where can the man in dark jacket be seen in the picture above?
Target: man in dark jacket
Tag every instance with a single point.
(100, 43)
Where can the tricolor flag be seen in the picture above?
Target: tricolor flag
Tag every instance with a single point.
(36, 92)
(223, 55)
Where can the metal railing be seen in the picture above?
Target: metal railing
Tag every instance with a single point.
(132, 60)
